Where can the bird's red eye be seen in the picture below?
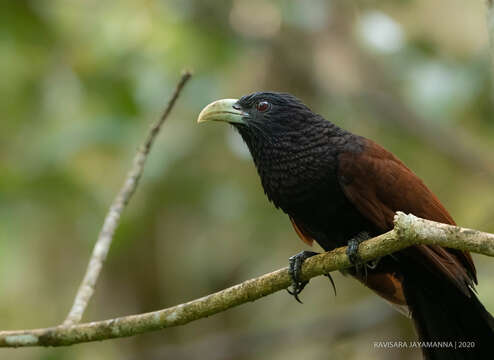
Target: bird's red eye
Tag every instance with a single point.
(262, 106)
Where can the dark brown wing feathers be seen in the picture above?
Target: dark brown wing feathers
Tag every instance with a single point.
(386, 284)
(379, 184)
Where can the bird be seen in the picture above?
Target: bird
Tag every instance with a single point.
(340, 189)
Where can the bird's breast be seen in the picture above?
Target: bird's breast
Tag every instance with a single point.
(295, 179)
(306, 187)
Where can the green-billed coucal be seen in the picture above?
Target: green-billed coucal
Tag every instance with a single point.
(338, 189)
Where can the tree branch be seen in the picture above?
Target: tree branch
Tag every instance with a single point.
(100, 251)
(409, 230)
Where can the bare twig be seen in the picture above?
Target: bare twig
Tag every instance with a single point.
(100, 251)
(409, 230)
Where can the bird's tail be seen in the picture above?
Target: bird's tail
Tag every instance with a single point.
(450, 324)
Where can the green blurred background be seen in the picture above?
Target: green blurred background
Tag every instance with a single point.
(80, 82)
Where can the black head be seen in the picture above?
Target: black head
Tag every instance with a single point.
(289, 143)
(265, 116)
(279, 111)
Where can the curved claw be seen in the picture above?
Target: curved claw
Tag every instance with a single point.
(332, 282)
(297, 289)
(373, 264)
(294, 269)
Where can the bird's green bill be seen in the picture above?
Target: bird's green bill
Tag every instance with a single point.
(222, 110)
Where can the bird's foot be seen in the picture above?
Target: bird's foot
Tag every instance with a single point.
(294, 269)
(353, 256)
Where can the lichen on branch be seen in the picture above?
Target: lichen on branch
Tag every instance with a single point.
(408, 230)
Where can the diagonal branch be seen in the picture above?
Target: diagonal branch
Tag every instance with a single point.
(100, 251)
(409, 230)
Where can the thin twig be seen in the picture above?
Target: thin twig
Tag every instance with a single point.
(409, 230)
(100, 251)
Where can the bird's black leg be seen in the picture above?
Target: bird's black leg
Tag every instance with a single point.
(294, 268)
(352, 252)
